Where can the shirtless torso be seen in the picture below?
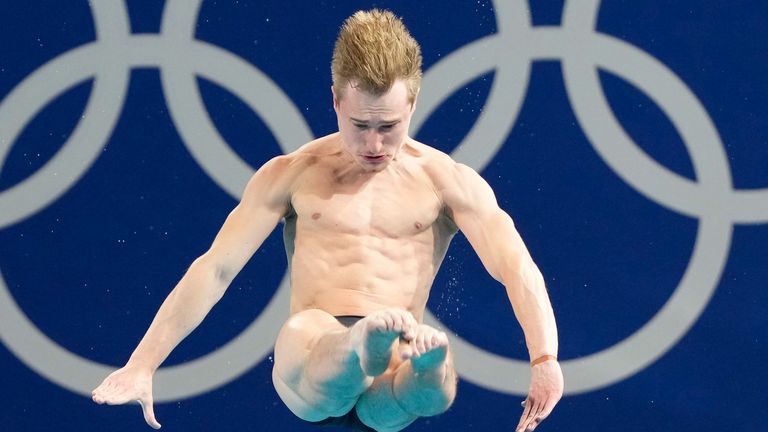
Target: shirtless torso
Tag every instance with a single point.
(360, 242)
(369, 213)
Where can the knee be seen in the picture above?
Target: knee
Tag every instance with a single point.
(378, 408)
(433, 402)
(301, 330)
(294, 401)
(429, 400)
(309, 320)
(293, 350)
(449, 390)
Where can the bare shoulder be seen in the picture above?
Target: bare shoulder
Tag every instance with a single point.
(290, 165)
(276, 179)
(433, 161)
(454, 182)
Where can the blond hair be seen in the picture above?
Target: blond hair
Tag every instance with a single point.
(372, 51)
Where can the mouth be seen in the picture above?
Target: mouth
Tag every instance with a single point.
(374, 159)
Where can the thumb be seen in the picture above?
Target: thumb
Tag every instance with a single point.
(148, 409)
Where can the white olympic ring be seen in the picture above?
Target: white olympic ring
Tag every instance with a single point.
(180, 58)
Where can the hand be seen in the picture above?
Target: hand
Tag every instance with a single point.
(545, 391)
(125, 385)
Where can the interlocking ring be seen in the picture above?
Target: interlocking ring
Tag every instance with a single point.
(581, 49)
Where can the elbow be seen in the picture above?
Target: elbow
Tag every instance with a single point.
(215, 268)
(223, 275)
(216, 276)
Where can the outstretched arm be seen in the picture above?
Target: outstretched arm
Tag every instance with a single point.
(264, 203)
(473, 207)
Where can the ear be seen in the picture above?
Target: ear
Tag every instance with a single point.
(415, 99)
(336, 100)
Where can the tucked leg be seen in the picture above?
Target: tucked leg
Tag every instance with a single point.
(321, 367)
(422, 387)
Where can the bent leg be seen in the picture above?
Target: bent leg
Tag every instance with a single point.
(321, 367)
(422, 387)
(317, 373)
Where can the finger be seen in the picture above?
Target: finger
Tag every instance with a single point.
(100, 396)
(98, 390)
(107, 385)
(529, 413)
(114, 397)
(119, 399)
(532, 425)
(147, 407)
(542, 413)
(534, 417)
(524, 421)
(523, 418)
(106, 396)
(549, 405)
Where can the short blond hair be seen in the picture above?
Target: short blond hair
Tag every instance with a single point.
(373, 50)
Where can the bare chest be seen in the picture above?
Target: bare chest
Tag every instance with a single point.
(382, 205)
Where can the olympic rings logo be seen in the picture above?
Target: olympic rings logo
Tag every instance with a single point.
(180, 58)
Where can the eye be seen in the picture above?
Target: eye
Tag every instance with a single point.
(361, 126)
(386, 128)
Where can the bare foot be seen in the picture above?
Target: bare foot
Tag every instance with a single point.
(373, 338)
(429, 350)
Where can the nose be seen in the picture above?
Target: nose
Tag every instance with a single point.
(373, 142)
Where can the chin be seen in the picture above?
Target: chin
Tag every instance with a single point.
(376, 167)
(373, 166)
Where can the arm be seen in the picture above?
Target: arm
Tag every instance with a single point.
(263, 204)
(492, 234)
(265, 201)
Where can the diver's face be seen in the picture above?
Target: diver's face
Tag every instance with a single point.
(373, 128)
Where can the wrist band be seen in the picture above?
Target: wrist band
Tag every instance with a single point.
(542, 359)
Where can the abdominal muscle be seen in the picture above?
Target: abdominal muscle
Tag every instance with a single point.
(356, 274)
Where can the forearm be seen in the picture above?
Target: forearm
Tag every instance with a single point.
(528, 295)
(181, 312)
(492, 233)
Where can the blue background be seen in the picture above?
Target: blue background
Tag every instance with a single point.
(91, 269)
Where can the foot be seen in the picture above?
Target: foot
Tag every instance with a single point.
(429, 350)
(374, 336)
